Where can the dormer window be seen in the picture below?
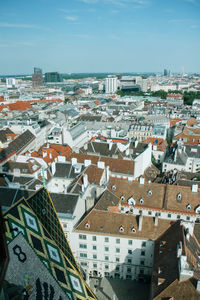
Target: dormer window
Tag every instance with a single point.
(141, 201)
(131, 201)
(87, 225)
(149, 192)
(122, 198)
(121, 228)
(188, 207)
(197, 209)
(114, 188)
(133, 230)
(179, 196)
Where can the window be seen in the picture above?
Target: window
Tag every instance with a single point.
(141, 271)
(117, 241)
(94, 265)
(143, 253)
(188, 218)
(83, 255)
(106, 249)
(130, 242)
(106, 274)
(128, 276)
(143, 244)
(129, 261)
(149, 212)
(83, 264)
(107, 258)
(178, 216)
(106, 267)
(128, 270)
(94, 247)
(142, 262)
(83, 246)
(117, 268)
(129, 251)
(106, 239)
(169, 215)
(82, 237)
(117, 259)
(94, 256)
(94, 238)
(117, 250)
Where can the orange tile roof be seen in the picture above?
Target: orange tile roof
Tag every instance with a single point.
(173, 122)
(191, 122)
(115, 140)
(161, 143)
(12, 135)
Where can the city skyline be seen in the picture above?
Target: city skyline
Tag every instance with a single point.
(100, 36)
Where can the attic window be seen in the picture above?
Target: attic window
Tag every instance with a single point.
(179, 196)
(149, 192)
(141, 201)
(188, 207)
(122, 198)
(121, 229)
(87, 225)
(114, 188)
(133, 230)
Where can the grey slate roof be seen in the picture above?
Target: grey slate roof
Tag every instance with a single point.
(66, 170)
(64, 203)
(17, 145)
(3, 133)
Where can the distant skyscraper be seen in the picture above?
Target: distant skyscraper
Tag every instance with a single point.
(111, 84)
(53, 77)
(37, 77)
(165, 72)
(37, 70)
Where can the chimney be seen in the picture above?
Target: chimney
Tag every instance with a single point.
(44, 154)
(85, 180)
(140, 222)
(87, 162)
(142, 180)
(156, 220)
(107, 174)
(110, 146)
(74, 161)
(53, 168)
(50, 155)
(195, 188)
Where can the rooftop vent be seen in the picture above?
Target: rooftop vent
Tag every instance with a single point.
(122, 198)
(114, 188)
(149, 192)
(133, 230)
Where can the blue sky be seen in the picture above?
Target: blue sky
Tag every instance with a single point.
(99, 35)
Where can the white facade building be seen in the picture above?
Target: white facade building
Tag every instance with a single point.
(111, 84)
